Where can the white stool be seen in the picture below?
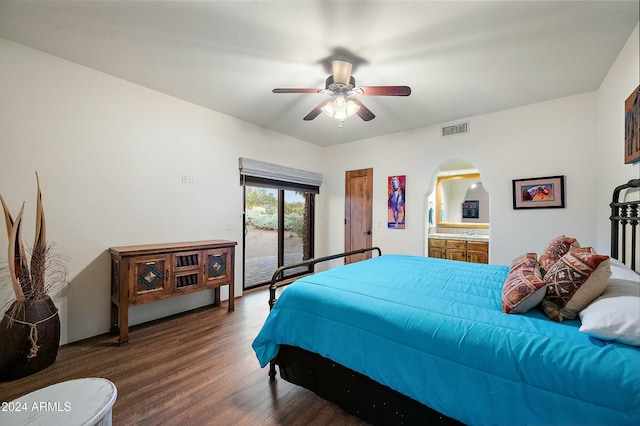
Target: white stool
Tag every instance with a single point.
(74, 402)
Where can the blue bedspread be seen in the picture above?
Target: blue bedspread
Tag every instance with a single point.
(433, 329)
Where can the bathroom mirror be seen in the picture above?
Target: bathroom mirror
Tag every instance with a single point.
(461, 200)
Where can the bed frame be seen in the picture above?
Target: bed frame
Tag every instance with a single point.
(355, 393)
(624, 225)
(378, 404)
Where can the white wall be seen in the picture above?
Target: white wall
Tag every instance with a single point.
(546, 139)
(623, 78)
(580, 137)
(110, 155)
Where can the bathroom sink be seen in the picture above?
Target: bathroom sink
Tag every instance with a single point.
(463, 237)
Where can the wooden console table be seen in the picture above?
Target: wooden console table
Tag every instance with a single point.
(146, 273)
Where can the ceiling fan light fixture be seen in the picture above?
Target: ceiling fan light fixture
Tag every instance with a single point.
(341, 73)
(340, 115)
(352, 108)
(341, 86)
(328, 109)
(340, 108)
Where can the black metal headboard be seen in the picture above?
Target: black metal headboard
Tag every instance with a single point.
(624, 225)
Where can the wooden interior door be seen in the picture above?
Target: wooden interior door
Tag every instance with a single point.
(358, 212)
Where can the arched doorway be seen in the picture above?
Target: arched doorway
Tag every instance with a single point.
(457, 213)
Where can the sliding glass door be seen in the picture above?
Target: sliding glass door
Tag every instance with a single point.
(278, 230)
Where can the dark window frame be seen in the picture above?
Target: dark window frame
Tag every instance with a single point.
(280, 186)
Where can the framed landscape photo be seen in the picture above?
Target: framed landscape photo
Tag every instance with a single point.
(538, 193)
(632, 127)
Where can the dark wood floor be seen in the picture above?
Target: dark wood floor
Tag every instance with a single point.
(196, 368)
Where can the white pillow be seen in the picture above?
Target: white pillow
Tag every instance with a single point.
(615, 315)
(620, 270)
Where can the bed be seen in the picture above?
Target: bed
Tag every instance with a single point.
(402, 339)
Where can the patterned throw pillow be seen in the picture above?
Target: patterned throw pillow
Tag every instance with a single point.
(523, 289)
(527, 259)
(556, 248)
(573, 282)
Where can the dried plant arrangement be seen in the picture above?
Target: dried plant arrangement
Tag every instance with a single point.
(30, 327)
(46, 271)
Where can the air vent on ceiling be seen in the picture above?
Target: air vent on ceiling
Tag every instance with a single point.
(455, 129)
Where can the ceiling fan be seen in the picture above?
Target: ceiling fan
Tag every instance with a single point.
(342, 89)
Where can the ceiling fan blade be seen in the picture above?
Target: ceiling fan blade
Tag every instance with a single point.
(386, 90)
(363, 112)
(296, 90)
(314, 112)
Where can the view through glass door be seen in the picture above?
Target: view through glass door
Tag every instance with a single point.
(277, 232)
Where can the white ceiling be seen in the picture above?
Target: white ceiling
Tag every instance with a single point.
(460, 58)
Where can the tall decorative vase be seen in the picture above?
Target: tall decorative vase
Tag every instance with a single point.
(29, 338)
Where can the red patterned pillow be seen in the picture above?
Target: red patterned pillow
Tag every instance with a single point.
(573, 282)
(528, 259)
(523, 289)
(556, 248)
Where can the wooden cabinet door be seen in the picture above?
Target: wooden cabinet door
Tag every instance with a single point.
(150, 278)
(456, 254)
(475, 256)
(437, 252)
(437, 248)
(456, 250)
(477, 252)
(218, 266)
